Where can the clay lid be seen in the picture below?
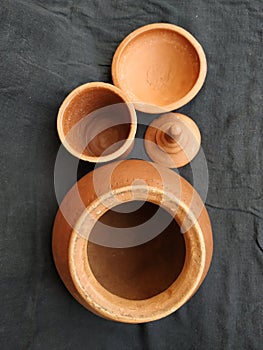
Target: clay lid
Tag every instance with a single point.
(160, 66)
(172, 140)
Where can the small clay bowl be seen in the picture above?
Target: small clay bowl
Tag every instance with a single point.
(160, 66)
(97, 123)
(132, 283)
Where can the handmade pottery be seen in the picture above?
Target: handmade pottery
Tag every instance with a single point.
(96, 122)
(146, 276)
(160, 66)
(172, 140)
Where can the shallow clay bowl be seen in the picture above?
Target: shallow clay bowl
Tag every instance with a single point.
(160, 66)
(96, 122)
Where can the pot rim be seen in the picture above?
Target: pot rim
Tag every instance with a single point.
(118, 308)
(152, 109)
(133, 123)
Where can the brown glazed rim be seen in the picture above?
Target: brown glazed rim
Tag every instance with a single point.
(144, 107)
(120, 309)
(133, 123)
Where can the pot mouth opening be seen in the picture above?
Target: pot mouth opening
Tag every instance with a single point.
(160, 304)
(96, 122)
(138, 271)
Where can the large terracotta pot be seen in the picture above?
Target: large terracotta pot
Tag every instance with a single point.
(134, 276)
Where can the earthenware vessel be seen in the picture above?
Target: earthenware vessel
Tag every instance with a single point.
(172, 140)
(96, 122)
(137, 278)
(160, 66)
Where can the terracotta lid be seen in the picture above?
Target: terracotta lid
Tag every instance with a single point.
(172, 140)
(160, 66)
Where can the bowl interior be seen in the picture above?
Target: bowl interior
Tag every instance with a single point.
(140, 271)
(158, 67)
(96, 121)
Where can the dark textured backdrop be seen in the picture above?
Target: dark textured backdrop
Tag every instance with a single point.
(49, 47)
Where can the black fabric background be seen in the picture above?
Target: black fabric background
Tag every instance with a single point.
(48, 48)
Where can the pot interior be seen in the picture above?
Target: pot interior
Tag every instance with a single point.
(152, 253)
(96, 122)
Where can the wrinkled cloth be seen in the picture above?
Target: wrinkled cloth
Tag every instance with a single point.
(49, 47)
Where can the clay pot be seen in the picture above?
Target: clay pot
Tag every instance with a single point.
(138, 280)
(160, 66)
(172, 140)
(96, 122)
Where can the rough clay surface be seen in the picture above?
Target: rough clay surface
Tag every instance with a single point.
(47, 49)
